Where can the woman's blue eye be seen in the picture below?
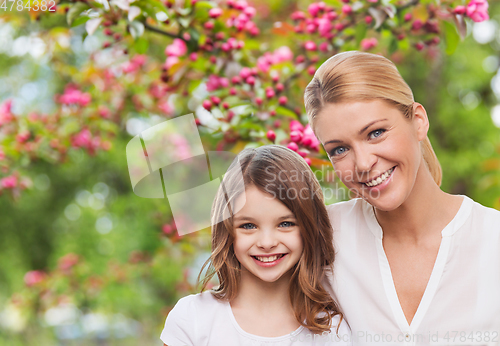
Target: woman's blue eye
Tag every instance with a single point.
(338, 151)
(376, 133)
(287, 224)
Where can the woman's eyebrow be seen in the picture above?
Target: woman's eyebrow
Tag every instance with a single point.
(370, 124)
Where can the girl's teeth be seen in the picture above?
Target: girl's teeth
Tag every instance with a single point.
(268, 259)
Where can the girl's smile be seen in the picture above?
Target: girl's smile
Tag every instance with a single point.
(267, 241)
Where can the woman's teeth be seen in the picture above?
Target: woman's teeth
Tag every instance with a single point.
(268, 259)
(380, 179)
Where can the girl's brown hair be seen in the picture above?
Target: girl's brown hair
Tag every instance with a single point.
(283, 174)
(357, 76)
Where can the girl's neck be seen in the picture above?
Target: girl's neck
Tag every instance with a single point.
(257, 295)
(425, 212)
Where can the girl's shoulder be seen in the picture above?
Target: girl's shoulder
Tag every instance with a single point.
(192, 318)
(197, 302)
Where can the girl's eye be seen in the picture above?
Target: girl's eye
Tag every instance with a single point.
(376, 133)
(287, 224)
(337, 151)
(248, 226)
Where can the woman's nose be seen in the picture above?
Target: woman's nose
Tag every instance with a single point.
(364, 160)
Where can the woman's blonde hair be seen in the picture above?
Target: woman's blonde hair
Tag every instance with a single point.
(283, 174)
(357, 76)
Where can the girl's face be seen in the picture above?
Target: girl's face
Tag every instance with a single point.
(374, 149)
(267, 239)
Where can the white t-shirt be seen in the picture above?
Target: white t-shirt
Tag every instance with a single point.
(461, 303)
(202, 320)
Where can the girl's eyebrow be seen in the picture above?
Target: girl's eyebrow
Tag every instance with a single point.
(248, 218)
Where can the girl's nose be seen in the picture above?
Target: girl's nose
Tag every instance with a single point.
(267, 239)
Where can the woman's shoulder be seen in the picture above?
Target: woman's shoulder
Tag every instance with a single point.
(487, 216)
(351, 205)
(342, 212)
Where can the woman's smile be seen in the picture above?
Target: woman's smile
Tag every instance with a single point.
(374, 149)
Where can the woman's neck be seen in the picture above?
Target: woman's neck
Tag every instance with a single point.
(425, 212)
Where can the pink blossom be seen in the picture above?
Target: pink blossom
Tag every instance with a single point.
(282, 54)
(250, 80)
(372, 1)
(9, 182)
(68, 261)
(310, 45)
(368, 20)
(323, 47)
(207, 104)
(215, 12)
(177, 48)
(139, 59)
(167, 229)
(171, 61)
(296, 125)
(346, 9)
(324, 26)
(313, 9)
(74, 96)
(332, 15)
(460, 10)
(302, 153)
(33, 277)
(313, 142)
(166, 107)
(213, 83)
(23, 136)
(245, 72)
(282, 100)
(298, 15)
(477, 10)
(308, 161)
(293, 146)
(271, 135)
(368, 43)
(408, 17)
(83, 139)
(5, 112)
(296, 136)
(270, 93)
(417, 24)
(250, 11)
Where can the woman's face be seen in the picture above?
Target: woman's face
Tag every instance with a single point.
(374, 149)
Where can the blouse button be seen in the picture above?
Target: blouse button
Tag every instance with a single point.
(407, 337)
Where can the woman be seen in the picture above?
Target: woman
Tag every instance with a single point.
(415, 265)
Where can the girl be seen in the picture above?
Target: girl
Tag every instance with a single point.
(415, 265)
(270, 254)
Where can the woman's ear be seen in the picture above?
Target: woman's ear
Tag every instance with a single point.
(421, 120)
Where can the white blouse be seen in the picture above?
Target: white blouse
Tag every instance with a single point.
(461, 303)
(202, 320)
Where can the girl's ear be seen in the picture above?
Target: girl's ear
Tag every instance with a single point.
(421, 120)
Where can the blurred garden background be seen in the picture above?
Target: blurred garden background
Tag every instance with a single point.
(83, 260)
